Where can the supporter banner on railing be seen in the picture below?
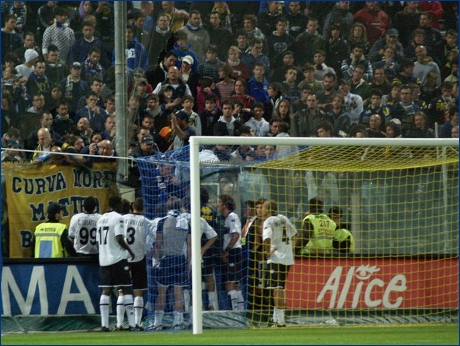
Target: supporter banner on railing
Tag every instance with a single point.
(29, 190)
(373, 283)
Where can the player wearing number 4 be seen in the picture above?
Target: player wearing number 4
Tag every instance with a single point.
(135, 235)
(114, 265)
(82, 230)
(279, 239)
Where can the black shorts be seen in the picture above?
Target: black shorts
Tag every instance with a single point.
(211, 259)
(232, 270)
(173, 271)
(276, 275)
(117, 274)
(139, 274)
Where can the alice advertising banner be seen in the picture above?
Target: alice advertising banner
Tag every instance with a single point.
(29, 189)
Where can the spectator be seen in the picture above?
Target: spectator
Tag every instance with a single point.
(11, 40)
(357, 58)
(136, 54)
(438, 106)
(12, 154)
(447, 129)
(74, 87)
(56, 70)
(337, 49)
(182, 48)
(62, 121)
(211, 64)
(340, 117)
(375, 107)
(30, 59)
(289, 88)
(389, 62)
(374, 19)
(43, 148)
(240, 93)
(81, 48)
(188, 103)
(283, 111)
(178, 18)
(358, 35)
(258, 84)
(357, 84)
(28, 43)
(325, 96)
(406, 21)
(251, 29)
(405, 109)
(242, 42)
(156, 40)
(181, 130)
(424, 65)
(310, 82)
(219, 35)
(390, 39)
(380, 80)
(288, 61)
(405, 74)
(435, 9)
(446, 46)
(268, 19)
(339, 16)
(375, 126)
(278, 42)
(304, 121)
(95, 114)
(255, 55)
(227, 124)
(420, 128)
(226, 84)
(160, 72)
(309, 42)
(239, 68)
(38, 81)
(59, 34)
(296, 18)
(93, 67)
(432, 35)
(197, 35)
(210, 115)
(179, 87)
(257, 123)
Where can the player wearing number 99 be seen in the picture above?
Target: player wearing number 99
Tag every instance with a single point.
(82, 230)
(135, 235)
(114, 264)
(279, 239)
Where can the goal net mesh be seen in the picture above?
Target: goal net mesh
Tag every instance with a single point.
(399, 203)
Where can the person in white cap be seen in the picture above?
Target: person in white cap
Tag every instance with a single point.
(30, 58)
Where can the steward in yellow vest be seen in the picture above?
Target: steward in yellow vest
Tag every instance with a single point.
(51, 237)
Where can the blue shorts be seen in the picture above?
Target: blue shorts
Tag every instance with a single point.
(173, 271)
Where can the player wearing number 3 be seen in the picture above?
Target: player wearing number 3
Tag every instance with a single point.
(82, 230)
(136, 226)
(279, 238)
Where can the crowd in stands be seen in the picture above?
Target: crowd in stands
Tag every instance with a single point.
(225, 69)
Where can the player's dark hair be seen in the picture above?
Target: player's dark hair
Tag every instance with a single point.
(139, 204)
(90, 204)
(204, 195)
(115, 202)
(228, 201)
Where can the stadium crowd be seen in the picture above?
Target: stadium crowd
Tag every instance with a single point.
(220, 68)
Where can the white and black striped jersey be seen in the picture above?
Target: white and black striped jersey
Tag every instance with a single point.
(280, 231)
(83, 230)
(135, 234)
(232, 225)
(109, 226)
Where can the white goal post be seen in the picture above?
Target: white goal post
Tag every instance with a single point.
(197, 141)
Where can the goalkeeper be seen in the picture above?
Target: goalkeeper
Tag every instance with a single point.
(325, 233)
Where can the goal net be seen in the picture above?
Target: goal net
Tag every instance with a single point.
(397, 198)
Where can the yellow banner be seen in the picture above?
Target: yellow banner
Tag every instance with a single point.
(29, 189)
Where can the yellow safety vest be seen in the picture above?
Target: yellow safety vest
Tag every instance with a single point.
(48, 240)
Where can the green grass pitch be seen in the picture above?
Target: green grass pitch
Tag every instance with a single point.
(384, 335)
